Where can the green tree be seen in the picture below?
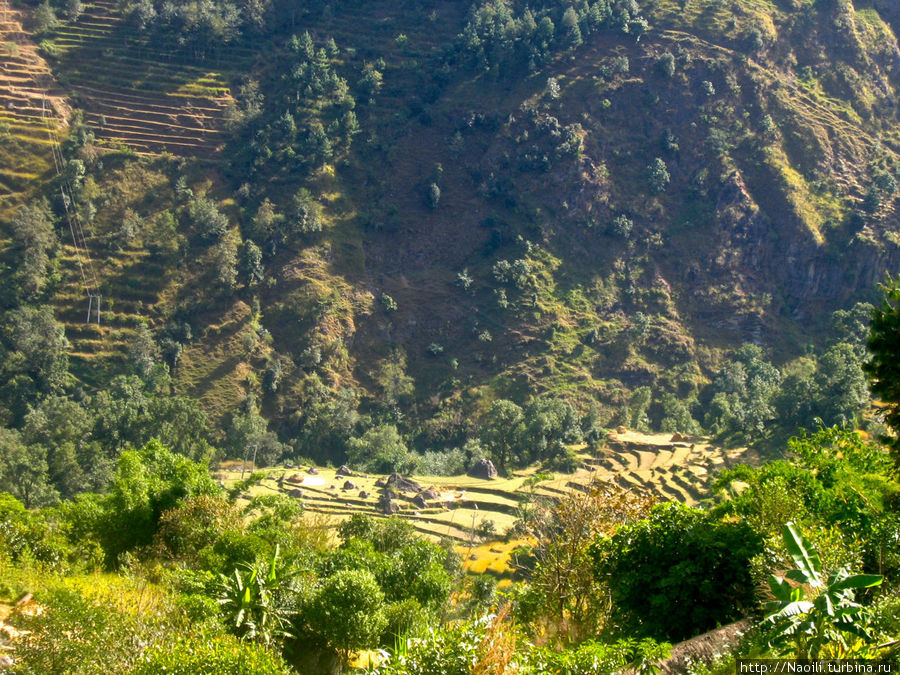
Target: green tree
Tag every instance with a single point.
(883, 368)
(678, 573)
(307, 212)
(24, 471)
(744, 401)
(37, 349)
(676, 415)
(205, 216)
(348, 611)
(248, 432)
(658, 175)
(381, 449)
(225, 263)
(433, 195)
(143, 351)
(44, 18)
(842, 394)
(252, 271)
(75, 460)
(147, 482)
(266, 221)
(74, 8)
(571, 28)
(32, 230)
(550, 423)
(501, 432)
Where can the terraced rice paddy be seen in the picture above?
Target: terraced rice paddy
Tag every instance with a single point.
(27, 95)
(672, 470)
(137, 94)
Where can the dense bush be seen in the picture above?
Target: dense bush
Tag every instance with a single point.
(678, 573)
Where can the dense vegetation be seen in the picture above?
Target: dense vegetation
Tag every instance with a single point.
(619, 269)
(408, 236)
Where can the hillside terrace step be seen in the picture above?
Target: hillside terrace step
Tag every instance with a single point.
(19, 79)
(550, 492)
(186, 136)
(153, 85)
(140, 55)
(152, 148)
(674, 486)
(125, 125)
(686, 486)
(89, 357)
(25, 57)
(663, 458)
(152, 100)
(631, 458)
(613, 463)
(681, 455)
(136, 58)
(671, 493)
(30, 69)
(139, 124)
(151, 140)
(92, 61)
(19, 106)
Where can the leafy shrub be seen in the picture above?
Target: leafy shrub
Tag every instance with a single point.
(348, 610)
(448, 463)
(594, 658)
(219, 655)
(678, 573)
(75, 635)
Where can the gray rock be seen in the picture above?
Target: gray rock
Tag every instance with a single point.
(483, 468)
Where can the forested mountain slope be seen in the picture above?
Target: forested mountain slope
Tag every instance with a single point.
(414, 209)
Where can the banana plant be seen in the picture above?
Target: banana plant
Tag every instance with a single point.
(251, 600)
(811, 611)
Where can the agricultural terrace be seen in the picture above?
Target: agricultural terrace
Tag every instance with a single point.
(138, 94)
(28, 95)
(476, 513)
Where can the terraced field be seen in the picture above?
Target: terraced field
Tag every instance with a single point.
(27, 94)
(136, 94)
(131, 280)
(451, 507)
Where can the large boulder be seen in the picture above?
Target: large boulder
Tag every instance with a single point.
(403, 484)
(483, 468)
(419, 500)
(387, 505)
(312, 471)
(363, 494)
(344, 471)
(296, 492)
(350, 485)
(381, 482)
(430, 494)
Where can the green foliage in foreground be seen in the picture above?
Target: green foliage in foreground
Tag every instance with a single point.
(492, 644)
(884, 345)
(241, 588)
(811, 612)
(219, 655)
(678, 573)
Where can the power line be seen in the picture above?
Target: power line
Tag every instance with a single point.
(89, 279)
